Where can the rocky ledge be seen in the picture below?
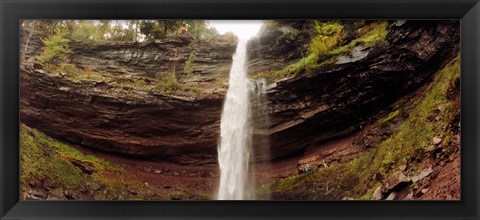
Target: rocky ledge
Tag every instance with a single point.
(333, 101)
(341, 98)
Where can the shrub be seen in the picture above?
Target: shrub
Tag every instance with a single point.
(189, 64)
(327, 36)
(168, 83)
(86, 31)
(55, 49)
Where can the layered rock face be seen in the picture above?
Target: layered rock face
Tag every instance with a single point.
(212, 58)
(131, 122)
(339, 99)
(278, 44)
(333, 101)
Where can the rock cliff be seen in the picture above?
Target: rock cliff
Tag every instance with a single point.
(338, 99)
(333, 101)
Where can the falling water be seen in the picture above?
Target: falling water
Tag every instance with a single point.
(235, 130)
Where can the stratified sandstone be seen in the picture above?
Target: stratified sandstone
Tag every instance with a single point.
(333, 101)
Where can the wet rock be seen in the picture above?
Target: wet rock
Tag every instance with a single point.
(86, 167)
(94, 186)
(39, 193)
(437, 140)
(405, 194)
(147, 169)
(392, 196)
(377, 194)
(31, 197)
(431, 148)
(37, 66)
(377, 176)
(424, 173)
(308, 163)
(356, 54)
(396, 181)
(132, 191)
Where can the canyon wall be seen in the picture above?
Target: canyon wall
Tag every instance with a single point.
(332, 101)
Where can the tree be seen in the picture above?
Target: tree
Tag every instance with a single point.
(28, 26)
(55, 49)
(104, 27)
(200, 30)
(85, 30)
(151, 29)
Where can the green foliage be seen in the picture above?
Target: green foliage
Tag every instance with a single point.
(327, 44)
(390, 116)
(55, 49)
(85, 30)
(200, 30)
(300, 66)
(287, 37)
(157, 29)
(104, 28)
(120, 30)
(43, 159)
(189, 64)
(372, 34)
(168, 83)
(327, 36)
(355, 178)
(230, 37)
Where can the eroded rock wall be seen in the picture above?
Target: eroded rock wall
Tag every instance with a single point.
(305, 111)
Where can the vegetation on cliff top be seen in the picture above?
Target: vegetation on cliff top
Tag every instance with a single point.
(329, 42)
(120, 30)
(58, 34)
(409, 145)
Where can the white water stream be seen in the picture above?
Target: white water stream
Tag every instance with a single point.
(235, 130)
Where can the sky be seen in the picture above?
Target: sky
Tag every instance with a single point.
(243, 29)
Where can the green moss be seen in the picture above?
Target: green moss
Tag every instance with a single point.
(203, 196)
(368, 195)
(188, 69)
(43, 159)
(390, 116)
(370, 35)
(355, 178)
(289, 183)
(164, 83)
(328, 35)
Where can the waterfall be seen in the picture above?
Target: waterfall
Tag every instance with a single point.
(235, 130)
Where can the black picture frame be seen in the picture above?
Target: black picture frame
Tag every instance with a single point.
(11, 11)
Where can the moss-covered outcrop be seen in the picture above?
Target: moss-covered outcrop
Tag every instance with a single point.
(405, 164)
(53, 170)
(327, 101)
